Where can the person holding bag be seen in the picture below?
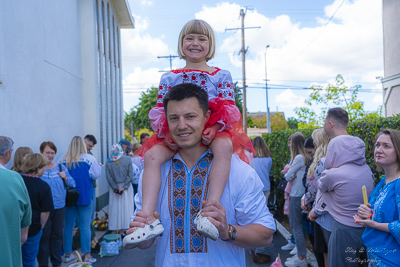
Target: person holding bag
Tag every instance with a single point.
(119, 173)
(51, 241)
(83, 168)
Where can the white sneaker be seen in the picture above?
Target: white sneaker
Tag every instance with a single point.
(205, 227)
(288, 246)
(291, 258)
(144, 234)
(296, 262)
(69, 258)
(91, 260)
(293, 251)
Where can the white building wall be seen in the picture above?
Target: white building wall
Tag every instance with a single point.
(391, 41)
(40, 72)
(60, 73)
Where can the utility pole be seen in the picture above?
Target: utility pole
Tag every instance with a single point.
(243, 51)
(266, 92)
(170, 59)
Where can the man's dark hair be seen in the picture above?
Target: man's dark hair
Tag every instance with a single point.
(91, 138)
(143, 135)
(339, 115)
(184, 91)
(309, 143)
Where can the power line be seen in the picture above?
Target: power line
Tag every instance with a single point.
(323, 28)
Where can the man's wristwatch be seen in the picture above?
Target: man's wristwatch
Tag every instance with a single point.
(232, 234)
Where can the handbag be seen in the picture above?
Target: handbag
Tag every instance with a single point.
(282, 184)
(72, 193)
(111, 245)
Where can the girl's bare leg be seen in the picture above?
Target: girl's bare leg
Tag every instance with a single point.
(219, 173)
(153, 159)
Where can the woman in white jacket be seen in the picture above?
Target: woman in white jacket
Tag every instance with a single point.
(299, 161)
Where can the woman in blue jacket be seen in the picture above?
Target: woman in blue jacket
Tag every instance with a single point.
(82, 168)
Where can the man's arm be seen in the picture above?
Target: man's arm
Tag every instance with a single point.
(248, 236)
(24, 234)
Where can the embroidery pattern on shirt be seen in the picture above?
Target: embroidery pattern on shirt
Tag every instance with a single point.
(177, 191)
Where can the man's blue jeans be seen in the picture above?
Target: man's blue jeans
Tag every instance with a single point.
(83, 212)
(30, 250)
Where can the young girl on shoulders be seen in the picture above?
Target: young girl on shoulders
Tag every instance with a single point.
(223, 133)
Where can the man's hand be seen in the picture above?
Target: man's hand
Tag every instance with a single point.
(312, 216)
(217, 216)
(121, 190)
(209, 134)
(141, 219)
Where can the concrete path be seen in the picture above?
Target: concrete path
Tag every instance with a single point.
(137, 257)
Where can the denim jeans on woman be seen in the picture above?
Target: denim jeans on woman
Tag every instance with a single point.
(296, 226)
(30, 250)
(83, 212)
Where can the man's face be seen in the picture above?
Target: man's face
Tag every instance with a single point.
(125, 148)
(144, 140)
(328, 126)
(7, 156)
(186, 122)
(89, 145)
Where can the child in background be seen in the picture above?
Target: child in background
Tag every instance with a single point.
(223, 132)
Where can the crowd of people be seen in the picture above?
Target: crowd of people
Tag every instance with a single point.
(201, 181)
(46, 223)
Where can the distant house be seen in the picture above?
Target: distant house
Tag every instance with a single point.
(391, 44)
(262, 114)
(61, 72)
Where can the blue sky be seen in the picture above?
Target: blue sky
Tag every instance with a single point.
(310, 42)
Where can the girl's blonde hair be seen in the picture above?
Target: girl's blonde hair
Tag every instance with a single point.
(261, 148)
(19, 157)
(33, 162)
(321, 140)
(75, 150)
(297, 147)
(197, 26)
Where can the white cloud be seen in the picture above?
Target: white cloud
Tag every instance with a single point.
(351, 44)
(378, 99)
(136, 82)
(138, 47)
(288, 99)
(146, 3)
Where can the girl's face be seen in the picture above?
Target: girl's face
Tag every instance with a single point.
(49, 153)
(196, 47)
(385, 154)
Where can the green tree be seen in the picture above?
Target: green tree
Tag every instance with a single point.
(260, 122)
(278, 122)
(139, 114)
(339, 95)
(238, 97)
(250, 123)
(293, 123)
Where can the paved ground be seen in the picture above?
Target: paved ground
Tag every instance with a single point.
(137, 257)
